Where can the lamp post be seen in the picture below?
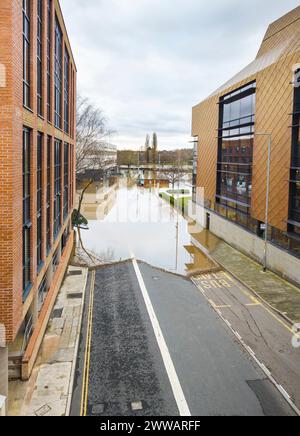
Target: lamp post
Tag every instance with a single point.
(269, 135)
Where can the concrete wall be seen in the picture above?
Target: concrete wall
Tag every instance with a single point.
(279, 261)
(3, 371)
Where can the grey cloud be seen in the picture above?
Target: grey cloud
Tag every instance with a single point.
(147, 62)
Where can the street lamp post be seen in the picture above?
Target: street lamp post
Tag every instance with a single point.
(269, 135)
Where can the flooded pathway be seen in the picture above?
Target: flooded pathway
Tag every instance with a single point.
(129, 221)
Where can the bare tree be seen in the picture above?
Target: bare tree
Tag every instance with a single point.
(92, 132)
(175, 171)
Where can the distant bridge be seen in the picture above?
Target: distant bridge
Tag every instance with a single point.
(156, 168)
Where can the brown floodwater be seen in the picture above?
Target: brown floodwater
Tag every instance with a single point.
(128, 221)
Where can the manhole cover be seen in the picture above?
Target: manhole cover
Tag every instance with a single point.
(57, 313)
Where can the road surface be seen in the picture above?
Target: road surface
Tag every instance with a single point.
(153, 345)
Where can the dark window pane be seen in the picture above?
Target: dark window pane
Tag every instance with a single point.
(26, 209)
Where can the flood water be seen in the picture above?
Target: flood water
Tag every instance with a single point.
(128, 221)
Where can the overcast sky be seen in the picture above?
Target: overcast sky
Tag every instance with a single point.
(147, 62)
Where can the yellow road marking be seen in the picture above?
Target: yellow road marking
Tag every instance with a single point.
(264, 306)
(256, 302)
(86, 368)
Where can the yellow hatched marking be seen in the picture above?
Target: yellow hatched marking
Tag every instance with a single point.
(86, 369)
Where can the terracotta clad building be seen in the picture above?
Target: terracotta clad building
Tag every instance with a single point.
(232, 130)
(37, 173)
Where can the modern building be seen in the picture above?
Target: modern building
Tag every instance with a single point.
(234, 127)
(37, 176)
(100, 163)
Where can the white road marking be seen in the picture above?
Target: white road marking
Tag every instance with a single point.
(171, 371)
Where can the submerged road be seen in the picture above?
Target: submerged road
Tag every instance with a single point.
(152, 344)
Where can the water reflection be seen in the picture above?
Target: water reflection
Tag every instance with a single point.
(127, 220)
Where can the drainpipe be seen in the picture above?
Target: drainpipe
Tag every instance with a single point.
(265, 261)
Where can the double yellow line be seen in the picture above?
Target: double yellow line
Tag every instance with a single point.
(87, 354)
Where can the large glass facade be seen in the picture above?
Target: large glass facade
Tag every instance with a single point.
(294, 210)
(58, 75)
(26, 210)
(26, 52)
(235, 155)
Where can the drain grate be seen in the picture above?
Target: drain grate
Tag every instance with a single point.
(74, 296)
(42, 411)
(75, 273)
(57, 313)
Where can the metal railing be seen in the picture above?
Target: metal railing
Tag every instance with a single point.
(27, 333)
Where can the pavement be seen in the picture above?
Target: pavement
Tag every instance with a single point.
(261, 330)
(153, 345)
(49, 390)
(281, 295)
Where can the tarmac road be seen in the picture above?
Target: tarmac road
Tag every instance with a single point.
(153, 345)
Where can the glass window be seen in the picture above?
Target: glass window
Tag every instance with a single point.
(58, 75)
(235, 157)
(48, 225)
(39, 56)
(49, 36)
(66, 91)
(57, 187)
(66, 180)
(26, 53)
(26, 209)
(294, 213)
(39, 198)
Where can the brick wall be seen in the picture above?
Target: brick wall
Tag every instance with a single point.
(13, 118)
(11, 166)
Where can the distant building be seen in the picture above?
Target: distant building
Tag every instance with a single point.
(232, 128)
(37, 174)
(100, 164)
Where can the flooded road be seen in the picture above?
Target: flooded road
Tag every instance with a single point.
(129, 221)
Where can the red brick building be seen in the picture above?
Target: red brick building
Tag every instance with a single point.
(37, 172)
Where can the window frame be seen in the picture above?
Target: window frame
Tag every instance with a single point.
(27, 224)
(235, 150)
(58, 79)
(26, 53)
(57, 188)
